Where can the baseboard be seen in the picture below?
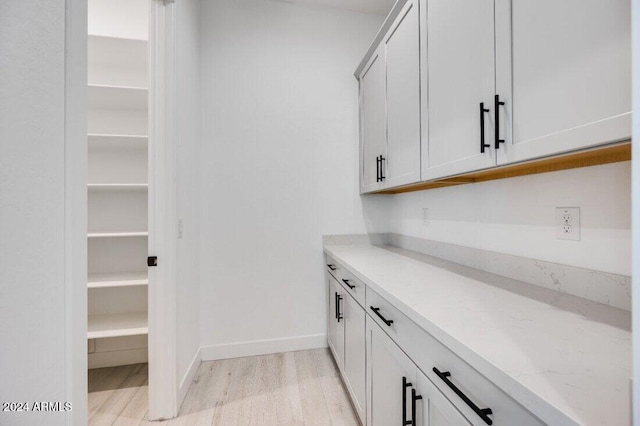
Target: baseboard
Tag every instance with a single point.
(186, 381)
(263, 347)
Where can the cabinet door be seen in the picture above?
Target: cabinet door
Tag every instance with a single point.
(564, 73)
(388, 401)
(402, 49)
(335, 328)
(355, 353)
(461, 75)
(434, 409)
(373, 122)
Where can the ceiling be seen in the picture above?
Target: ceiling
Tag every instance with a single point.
(378, 7)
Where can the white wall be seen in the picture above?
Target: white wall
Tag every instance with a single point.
(119, 18)
(43, 209)
(278, 165)
(188, 187)
(635, 30)
(517, 216)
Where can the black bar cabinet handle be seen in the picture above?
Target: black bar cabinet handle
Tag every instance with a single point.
(335, 303)
(332, 267)
(414, 398)
(377, 312)
(482, 412)
(482, 144)
(348, 285)
(378, 168)
(382, 176)
(338, 307)
(405, 385)
(497, 104)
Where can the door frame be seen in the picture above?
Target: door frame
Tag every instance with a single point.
(75, 211)
(163, 382)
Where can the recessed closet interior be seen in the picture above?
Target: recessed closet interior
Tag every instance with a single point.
(117, 125)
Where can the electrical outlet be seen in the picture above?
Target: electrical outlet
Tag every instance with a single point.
(180, 228)
(568, 223)
(425, 217)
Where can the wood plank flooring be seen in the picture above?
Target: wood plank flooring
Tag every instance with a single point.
(293, 388)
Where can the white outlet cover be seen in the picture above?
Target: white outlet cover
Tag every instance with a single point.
(425, 217)
(568, 223)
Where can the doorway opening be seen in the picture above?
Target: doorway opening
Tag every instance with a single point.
(118, 206)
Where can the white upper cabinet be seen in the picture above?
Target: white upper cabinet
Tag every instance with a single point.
(460, 77)
(402, 49)
(451, 87)
(373, 123)
(564, 74)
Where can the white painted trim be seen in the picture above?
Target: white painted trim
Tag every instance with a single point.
(75, 211)
(635, 215)
(263, 347)
(186, 381)
(163, 383)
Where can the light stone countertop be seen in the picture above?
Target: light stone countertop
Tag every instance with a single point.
(565, 359)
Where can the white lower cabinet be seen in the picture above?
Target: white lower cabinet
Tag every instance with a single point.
(346, 337)
(354, 353)
(335, 327)
(395, 371)
(432, 407)
(398, 391)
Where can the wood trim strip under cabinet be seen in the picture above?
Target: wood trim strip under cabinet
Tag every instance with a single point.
(593, 157)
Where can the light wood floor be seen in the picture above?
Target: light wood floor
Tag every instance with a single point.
(293, 388)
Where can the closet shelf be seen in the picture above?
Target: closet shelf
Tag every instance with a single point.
(94, 136)
(142, 43)
(120, 98)
(117, 234)
(118, 186)
(117, 280)
(117, 325)
(115, 60)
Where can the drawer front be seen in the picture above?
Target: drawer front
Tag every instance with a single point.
(429, 354)
(331, 266)
(352, 285)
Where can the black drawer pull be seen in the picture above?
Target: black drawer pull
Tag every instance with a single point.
(332, 267)
(482, 144)
(482, 412)
(405, 385)
(497, 104)
(414, 398)
(348, 285)
(377, 312)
